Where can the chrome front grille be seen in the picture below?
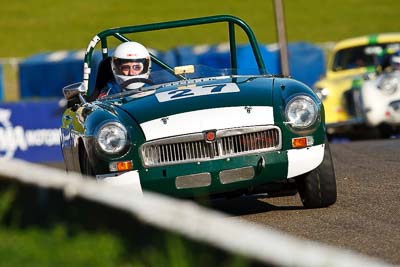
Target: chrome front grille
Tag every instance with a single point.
(228, 143)
(254, 141)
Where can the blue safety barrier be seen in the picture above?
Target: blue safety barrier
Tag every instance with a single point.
(44, 75)
(306, 62)
(29, 130)
(216, 56)
(247, 61)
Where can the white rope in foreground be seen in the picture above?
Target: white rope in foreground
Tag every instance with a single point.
(193, 221)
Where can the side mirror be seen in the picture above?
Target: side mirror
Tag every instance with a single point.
(73, 90)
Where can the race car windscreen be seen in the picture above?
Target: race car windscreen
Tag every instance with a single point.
(362, 56)
(200, 71)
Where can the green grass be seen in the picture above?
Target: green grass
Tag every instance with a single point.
(42, 228)
(38, 247)
(33, 26)
(56, 247)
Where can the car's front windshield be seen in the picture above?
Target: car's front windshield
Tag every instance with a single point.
(360, 56)
(189, 74)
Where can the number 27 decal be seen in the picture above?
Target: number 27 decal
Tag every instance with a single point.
(197, 91)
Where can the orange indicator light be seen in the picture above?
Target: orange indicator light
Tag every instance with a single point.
(124, 165)
(301, 142)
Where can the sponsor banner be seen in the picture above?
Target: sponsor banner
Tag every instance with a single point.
(30, 131)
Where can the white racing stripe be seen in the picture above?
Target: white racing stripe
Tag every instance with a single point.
(304, 160)
(207, 119)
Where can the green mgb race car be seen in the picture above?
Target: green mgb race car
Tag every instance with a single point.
(193, 130)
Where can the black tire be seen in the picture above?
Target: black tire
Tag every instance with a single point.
(86, 166)
(317, 188)
(386, 131)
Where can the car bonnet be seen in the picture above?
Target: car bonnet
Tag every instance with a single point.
(206, 105)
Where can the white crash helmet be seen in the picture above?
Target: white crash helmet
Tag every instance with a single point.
(130, 52)
(395, 61)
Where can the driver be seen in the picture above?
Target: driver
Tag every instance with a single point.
(395, 62)
(130, 60)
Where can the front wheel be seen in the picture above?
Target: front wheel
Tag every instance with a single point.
(317, 188)
(86, 166)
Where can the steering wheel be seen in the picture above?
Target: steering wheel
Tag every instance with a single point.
(137, 80)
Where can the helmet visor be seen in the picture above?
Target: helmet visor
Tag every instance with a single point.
(131, 67)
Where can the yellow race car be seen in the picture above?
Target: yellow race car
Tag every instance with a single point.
(349, 61)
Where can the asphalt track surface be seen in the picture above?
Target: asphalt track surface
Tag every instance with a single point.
(366, 216)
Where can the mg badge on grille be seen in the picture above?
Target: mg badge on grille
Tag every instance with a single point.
(210, 136)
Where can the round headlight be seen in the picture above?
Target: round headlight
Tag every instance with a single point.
(389, 85)
(112, 137)
(301, 112)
